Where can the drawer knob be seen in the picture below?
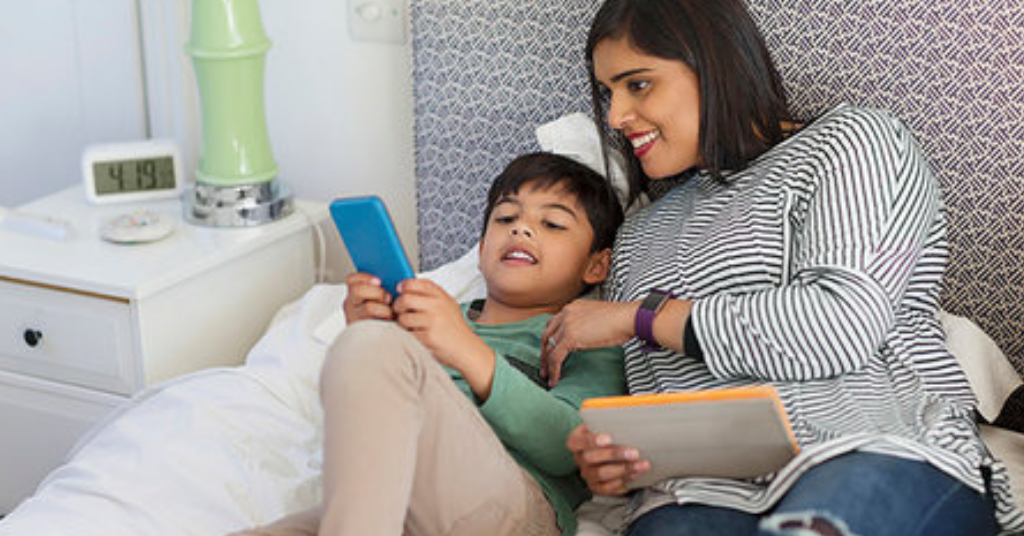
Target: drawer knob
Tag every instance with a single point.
(33, 337)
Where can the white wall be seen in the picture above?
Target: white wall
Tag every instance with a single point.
(340, 111)
(69, 76)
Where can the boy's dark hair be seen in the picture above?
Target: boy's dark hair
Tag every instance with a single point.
(742, 99)
(546, 170)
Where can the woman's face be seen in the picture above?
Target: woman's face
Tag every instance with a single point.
(654, 102)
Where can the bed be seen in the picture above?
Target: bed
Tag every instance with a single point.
(228, 448)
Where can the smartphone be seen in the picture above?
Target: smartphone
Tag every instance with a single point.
(370, 238)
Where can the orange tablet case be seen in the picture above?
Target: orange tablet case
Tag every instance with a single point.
(740, 432)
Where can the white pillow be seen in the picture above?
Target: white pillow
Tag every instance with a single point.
(576, 136)
(990, 374)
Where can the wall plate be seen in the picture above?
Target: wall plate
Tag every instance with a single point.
(377, 20)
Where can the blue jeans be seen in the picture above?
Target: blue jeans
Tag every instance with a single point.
(857, 493)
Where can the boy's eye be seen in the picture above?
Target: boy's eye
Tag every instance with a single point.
(552, 225)
(504, 219)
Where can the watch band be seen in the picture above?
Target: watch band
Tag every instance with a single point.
(643, 322)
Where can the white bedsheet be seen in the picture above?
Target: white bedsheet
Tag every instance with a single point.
(203, 454)
(190, 457)
(213, 451)
(227, 448)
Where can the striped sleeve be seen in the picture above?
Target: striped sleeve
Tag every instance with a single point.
(857, 221)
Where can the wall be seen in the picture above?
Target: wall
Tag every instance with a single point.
(69, 76)
(340, 111)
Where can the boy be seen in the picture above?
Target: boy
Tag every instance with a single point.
(437, 420)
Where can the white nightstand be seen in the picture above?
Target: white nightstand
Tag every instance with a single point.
(85, 323)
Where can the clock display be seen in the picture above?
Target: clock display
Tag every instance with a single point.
(132, 171)
(137, 175)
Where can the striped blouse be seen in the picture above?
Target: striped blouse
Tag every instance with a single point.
(816, 270)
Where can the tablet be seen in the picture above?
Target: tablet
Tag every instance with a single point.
(371, 240)
(738, 432)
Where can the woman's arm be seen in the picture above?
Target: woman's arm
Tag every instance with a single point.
(863, 210)
(591, 324)
(869, 213)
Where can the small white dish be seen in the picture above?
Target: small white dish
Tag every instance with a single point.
(137, 227)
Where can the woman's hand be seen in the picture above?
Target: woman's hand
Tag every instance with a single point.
(366, 299)
(581, 325)
(606, 468)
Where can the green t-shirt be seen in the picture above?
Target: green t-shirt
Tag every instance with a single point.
(532, 421)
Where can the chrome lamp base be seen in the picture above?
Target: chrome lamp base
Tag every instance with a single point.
(237, 206)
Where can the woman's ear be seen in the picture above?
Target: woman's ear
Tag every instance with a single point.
(597, 266)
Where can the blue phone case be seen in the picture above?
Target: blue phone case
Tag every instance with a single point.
(371, 240)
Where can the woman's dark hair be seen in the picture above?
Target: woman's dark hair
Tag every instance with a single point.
(742, 100)
(547, 170)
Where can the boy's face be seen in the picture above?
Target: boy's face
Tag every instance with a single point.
(536, 249)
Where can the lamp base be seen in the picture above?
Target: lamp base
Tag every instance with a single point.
(237, 206)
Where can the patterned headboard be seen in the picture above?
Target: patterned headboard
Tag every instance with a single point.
(487, 72)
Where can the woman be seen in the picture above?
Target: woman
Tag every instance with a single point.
(809, 259)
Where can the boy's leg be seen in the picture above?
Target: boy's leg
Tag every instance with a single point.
(873, 494)
(405, 448)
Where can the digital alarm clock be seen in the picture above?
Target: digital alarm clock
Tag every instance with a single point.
(132, 171)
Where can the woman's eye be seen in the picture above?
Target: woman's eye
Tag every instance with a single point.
(638, 85)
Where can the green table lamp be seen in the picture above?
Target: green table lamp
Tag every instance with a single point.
(236, 183)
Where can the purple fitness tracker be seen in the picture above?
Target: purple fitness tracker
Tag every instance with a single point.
(643, 322)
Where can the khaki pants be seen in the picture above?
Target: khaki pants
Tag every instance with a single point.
(405, 451)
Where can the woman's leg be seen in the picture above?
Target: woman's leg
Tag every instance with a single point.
(404, 448)
(876, 495)
(694, 519)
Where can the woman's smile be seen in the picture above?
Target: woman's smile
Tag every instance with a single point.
(643, 142)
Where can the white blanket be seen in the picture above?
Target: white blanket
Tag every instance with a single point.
(223, 449)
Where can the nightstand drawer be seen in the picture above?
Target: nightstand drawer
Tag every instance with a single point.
(67, 337)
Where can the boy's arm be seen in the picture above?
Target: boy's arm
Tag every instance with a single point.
(536, 422)
(528, 419)
(436, 320)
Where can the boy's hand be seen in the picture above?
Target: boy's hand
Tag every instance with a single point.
(436, 319)
(366, 299)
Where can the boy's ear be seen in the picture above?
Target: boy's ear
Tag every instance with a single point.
(597, 267)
